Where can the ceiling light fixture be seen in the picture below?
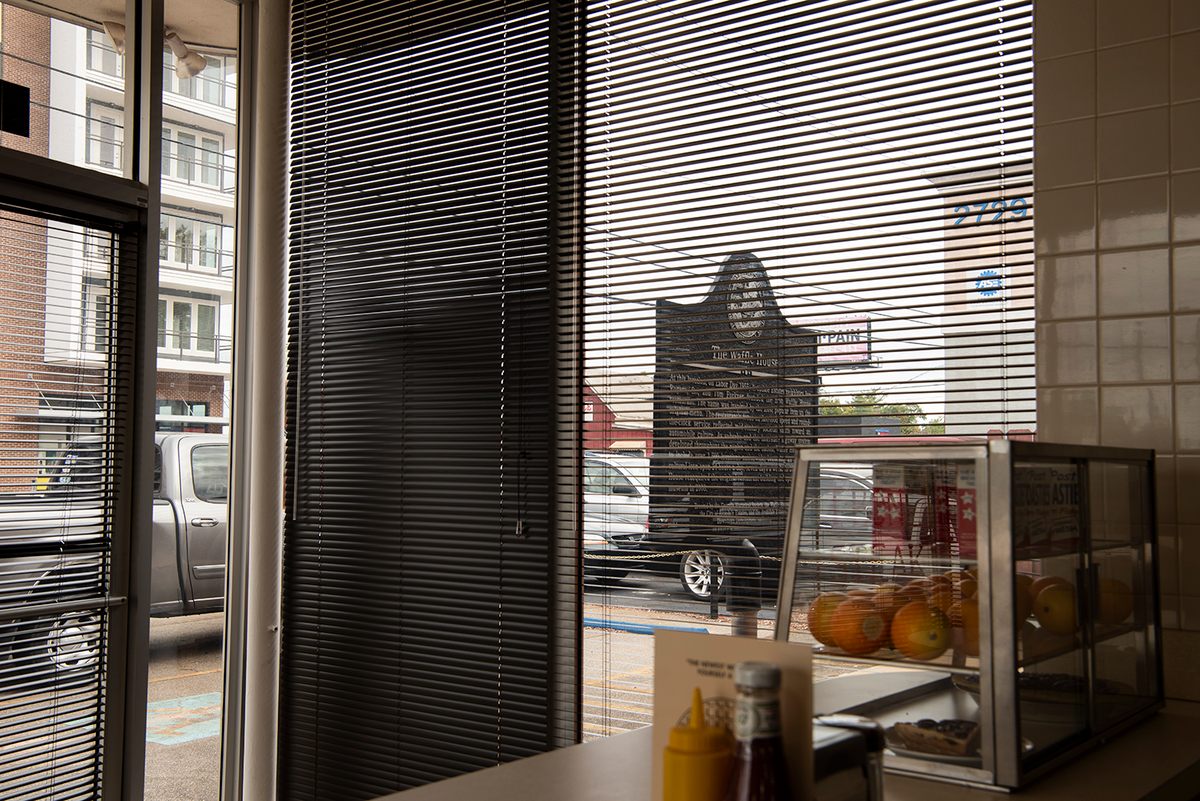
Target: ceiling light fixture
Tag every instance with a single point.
(188, 63)
(116, 32)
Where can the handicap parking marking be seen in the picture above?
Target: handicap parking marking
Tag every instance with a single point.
(181, 720)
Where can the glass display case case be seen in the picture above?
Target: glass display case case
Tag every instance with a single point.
(994, 604)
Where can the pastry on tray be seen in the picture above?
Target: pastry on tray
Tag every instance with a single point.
(950, 737)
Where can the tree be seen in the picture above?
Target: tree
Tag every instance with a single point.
(913, 421)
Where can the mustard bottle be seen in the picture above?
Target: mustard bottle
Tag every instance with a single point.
(697, 759)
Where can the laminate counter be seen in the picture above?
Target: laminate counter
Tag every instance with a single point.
(1158, 760)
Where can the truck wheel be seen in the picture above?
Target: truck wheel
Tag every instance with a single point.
(72, 641)
(701, 572)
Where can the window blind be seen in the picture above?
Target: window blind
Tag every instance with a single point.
(806, 221)
(64, 403)
(425, 629)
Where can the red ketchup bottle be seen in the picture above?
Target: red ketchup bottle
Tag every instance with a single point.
(759, 768)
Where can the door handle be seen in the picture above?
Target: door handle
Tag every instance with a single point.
(203, 522)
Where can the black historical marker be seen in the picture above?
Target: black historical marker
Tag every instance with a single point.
(735, 390)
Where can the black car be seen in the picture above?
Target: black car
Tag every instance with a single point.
(753, 533)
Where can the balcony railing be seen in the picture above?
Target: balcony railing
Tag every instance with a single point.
(194, 348)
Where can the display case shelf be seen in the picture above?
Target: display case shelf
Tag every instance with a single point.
(1020, 576)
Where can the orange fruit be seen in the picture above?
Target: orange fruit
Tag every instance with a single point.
(819, 614)
(1055, 609)
(913, 592)
(889, 600)
(969, 587)
(1036, 588)
(858, 627)
(861, 593)
(942, 596)
(920, 631)
(1115, 601)
(941, 579)
(964, 619)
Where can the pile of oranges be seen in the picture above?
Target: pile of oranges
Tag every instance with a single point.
(921, 619)
(925, 617)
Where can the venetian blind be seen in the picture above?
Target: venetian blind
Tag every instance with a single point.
(425, 630)
(806, 221)
(67, 313)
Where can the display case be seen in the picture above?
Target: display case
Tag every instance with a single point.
(993, 605)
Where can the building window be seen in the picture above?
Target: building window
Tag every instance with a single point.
(101, 56)
(97, 318)
(105, 135)
(187, 327)
(192, 156)
(189, 243)
(212, 85)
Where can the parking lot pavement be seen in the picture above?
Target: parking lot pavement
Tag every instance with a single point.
(183, 715)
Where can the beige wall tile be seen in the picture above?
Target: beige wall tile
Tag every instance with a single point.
(1066, 287)
(1065, 88)
(1135, 350)
(1185, 278)
(1133, 213)
(1187, 401)
(1064, 154)
(1066, 220)
(1066, 353)
(1181, 655)
(1188, 555)
(1185, 205)
(1185, 135)
(1185, 15)
(1069, 415)
(1186, 347)
(1134, 282)
(1187, 496)
(1164, 488)
(1185, 67)
(1168, 559)
(1170, 612)
(1134, 144)
(1120, 21)
(1133, 76)
(1189, 613)
(1137, 417)
(1064, 26)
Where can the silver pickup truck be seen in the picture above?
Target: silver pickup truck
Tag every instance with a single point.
(52, 549)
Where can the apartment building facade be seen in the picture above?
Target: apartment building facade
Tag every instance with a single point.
(58, 274)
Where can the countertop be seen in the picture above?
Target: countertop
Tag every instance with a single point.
(1158, 760)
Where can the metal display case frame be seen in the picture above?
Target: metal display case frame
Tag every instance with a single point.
(1002, 764)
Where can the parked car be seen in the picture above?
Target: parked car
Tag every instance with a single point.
(843, 520)
(605, 538)
(60, 527)
(616, 486)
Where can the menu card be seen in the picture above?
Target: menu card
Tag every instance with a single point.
(683, 660)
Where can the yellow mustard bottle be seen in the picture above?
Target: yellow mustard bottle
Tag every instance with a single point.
(697, 759)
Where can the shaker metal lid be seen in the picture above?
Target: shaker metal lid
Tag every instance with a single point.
(761, 675)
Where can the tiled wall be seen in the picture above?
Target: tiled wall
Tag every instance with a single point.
(1117, 171)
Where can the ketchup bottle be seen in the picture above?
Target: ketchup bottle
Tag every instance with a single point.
(759, 769)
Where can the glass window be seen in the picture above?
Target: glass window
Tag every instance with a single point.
(210, 473)
(104, 135)
(183, 242)
(185, 156)
(181, 314)
(100, 322)
(206, 328)
(210, 162)
(101, 56)
(162, 323)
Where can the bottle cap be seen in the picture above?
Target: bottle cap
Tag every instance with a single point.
(697, 736)
(758, 675)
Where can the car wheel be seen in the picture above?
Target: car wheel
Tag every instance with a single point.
(72, 642)
(702, 572)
